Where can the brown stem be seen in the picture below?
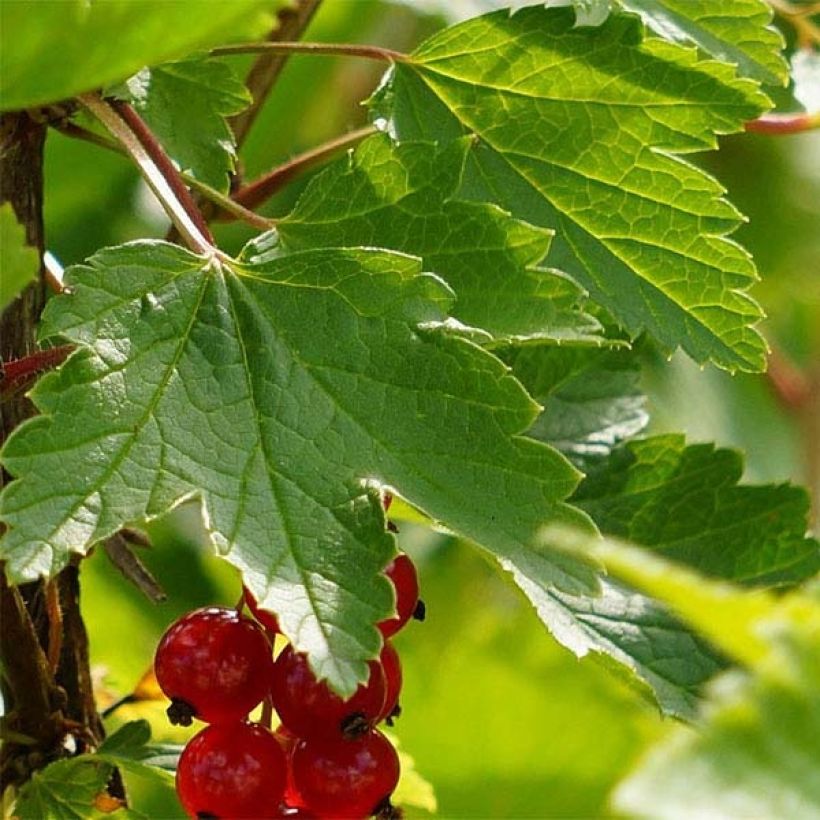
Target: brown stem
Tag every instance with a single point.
(798, 17)
(784, 124)
(386, 55)
(265, 71)
(261, 189)
(163, 163)
(40, 707)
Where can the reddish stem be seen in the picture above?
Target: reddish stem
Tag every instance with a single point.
(261, 189)
(162, 161)
(784, 124)
(17, 372)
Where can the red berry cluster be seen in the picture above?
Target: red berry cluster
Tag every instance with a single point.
(326, 759)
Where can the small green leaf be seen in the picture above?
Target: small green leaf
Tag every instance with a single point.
(129, 748)
(592, 400)
(684, 502)
(578, 131)
(280, 394)
(53, 50)
(65, 790)
(19, 262)
(185, 104)
(402, 197)
(736, 32)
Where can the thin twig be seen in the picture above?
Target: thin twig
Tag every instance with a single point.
(217, 197)
(324, 49)
(263, 188)
(268, 66)
(123, 558)
(163, 162)
(798, 17)
(158, 172)
(228, 205)
(784, 124)
(55, 625)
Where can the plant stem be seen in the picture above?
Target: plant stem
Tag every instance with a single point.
(268, 66)
(217, 197)
(798, 17)
(261, 189)
(325, 49)
(229, 205)
(783, 124)
(158, 171)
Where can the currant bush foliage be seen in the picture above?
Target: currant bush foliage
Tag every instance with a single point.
(451, 311)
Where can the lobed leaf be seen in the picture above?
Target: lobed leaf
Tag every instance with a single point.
(282, 394)
(186, 104)
(403, 197)
(685, 502)
(578, 130)
(591, 398)
(737, 32)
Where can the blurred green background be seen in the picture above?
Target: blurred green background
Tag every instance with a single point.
(501, 720)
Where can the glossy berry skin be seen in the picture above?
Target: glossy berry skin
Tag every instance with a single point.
(234, 770)
(264, 616)
(402, 572)
(346, 778)
(310, 709)
(215, 664)
(389, 659)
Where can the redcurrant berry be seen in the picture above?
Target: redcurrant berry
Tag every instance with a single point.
(232, 770)
(389, 659)
(309, 708)
(264, 616)
(214, 665)
(402, 572)
(346, 778)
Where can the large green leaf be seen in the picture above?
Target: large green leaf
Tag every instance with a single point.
(129, 748)
(736, 32)
(54, 49)
(592, 398)
(685, 502)
(19, 262)
(402, 197)
(185, 104)
(281, 394)
(578, 129)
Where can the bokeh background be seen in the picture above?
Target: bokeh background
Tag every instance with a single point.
(498, 718)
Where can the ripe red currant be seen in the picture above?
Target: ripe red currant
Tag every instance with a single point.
(389, 659)
(402, 572)
(230, 771)
(264, 616)
(214, 665)
(309, 708)
(346, 778)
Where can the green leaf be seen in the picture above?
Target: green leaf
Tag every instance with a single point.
(58, 48)
(684, 502)
(578, 130)
(281, 394)
(19, 262)
(736, 32)
(629, 633)
(129, 748)
(65, 790)
(402, 197)
(592, 399)
(185, 104)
